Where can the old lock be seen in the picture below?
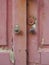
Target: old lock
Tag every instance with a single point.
(33, 27)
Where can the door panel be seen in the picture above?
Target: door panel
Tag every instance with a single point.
(45, 58)
(34, 56)
(44, 32)
(44, 13)
(38, 44)
(3, 22)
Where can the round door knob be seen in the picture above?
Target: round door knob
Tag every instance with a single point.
(33, 28)
(17, 29)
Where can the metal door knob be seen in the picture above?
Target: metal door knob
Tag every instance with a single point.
(32, 22)
(33, 27)
(17, 29)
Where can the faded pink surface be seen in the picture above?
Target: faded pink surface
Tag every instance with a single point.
(37, 48)
(3, 21)
(15, 13)
(5, 30)
(5, 59)
(20, 41)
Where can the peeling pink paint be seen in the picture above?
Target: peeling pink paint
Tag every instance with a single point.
(28, 48)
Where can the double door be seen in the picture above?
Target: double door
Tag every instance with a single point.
(24, 32)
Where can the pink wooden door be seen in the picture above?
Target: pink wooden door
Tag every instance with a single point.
(30, 46)
(38, 43)
(12, 45)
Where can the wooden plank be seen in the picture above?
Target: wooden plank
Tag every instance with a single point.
(19, 18)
